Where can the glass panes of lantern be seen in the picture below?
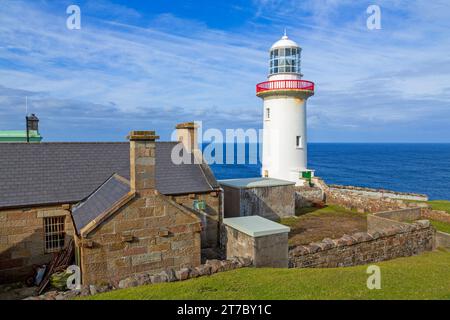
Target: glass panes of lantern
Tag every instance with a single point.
(285, 60)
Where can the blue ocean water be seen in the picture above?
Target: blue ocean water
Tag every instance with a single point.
(419, 168)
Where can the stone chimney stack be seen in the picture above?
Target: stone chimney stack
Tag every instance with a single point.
(187, 135)
(142, 160)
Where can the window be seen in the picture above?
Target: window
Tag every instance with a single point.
(54, 233)
(267, 113)
(285, 60)
(199, 205)
(299, 142)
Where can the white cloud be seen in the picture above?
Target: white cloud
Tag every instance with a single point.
(178, 70)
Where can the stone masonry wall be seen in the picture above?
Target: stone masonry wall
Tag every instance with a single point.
(22, 238)
(443, 216)
(209, 217)
(308, 196)
(404, 215)
(149, 234)
(366, 199)
(266, 251)
(269, 202)
(363, 248)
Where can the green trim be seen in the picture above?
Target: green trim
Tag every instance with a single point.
(19, 136)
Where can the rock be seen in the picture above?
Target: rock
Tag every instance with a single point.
(246, 261)
(423, 223)
(71, 294)
(170, 275)
(182, 274)
(300, 251)
(204, 270)
(193, 273)
(104, 288)
(214, 264)
(156, 278)
(92, 290)
(143, 279)
(375, 235)
(362, 236)
(84, 290)
(314, 247)
(60, 297)
(128, 283)
(164, 276)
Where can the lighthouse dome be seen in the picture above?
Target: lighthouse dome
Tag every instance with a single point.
(284, 42)
(285, 57)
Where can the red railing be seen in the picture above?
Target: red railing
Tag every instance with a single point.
(285, 85)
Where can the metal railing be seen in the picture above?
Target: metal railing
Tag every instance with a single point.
(285, 85)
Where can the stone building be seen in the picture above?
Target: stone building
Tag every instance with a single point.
(44, 184)
(267, 197)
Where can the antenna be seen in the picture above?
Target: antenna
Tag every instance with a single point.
(26, 105)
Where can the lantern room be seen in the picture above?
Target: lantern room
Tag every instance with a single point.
(285, 56)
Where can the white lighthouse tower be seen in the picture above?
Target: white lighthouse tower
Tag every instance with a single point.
(285, 95)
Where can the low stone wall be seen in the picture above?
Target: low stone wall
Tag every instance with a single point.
(382, 193)
(365, 202)
(403, 215)
(361, 248)
(168, 275)
(443, 216)
(442, 240)
(308, 196)
(368, 200)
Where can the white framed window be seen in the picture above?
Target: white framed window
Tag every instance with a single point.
(267, 114)
(299, 142)
(54, 233)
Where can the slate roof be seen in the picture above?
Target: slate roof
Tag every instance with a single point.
(53, 173)
(101, 200)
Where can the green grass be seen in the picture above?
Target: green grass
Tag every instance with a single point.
(441, 226)
(442, 205)
(426, 276)
(329, 210)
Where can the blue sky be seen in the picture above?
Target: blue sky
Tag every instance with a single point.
(152, 64)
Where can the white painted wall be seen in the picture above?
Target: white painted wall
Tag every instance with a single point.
(282, 159)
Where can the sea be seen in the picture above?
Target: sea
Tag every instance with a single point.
(407, 167)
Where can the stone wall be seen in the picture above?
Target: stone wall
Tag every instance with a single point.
(363, 248)
(381, 193)
(265, 251)
(269, 202)
(210, 217)
(443, 216)
(149, 234)
(308, 196)
(442, 240)
(367, 199)
(403, 215)
(22, 240)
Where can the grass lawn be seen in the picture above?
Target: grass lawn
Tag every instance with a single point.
(441, 226)
(442, 205)
(314, 224)
(426, 276)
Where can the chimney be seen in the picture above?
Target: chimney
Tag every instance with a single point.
(187, 134)
(32, 124)
(142, 160)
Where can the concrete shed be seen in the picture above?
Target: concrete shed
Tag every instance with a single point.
(267, 197)
(262, 240)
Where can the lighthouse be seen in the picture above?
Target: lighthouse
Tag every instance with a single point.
(284, 117)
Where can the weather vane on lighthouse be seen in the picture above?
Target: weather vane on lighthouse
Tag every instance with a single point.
(285, 94)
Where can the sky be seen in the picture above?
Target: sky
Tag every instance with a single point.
(141, 65)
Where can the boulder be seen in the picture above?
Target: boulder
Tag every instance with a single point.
(182, 274)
